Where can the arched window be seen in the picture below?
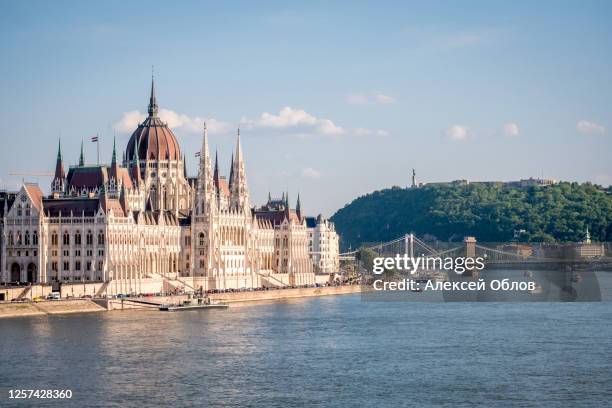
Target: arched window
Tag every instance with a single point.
(66, 238)
(100, 238)
(18, 237)
(54, 238)
(35, 238)
(89, 238)
(77, 238)
(11, 239)
(27, 238)
(201, 239)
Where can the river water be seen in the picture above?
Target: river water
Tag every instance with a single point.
(336, 351)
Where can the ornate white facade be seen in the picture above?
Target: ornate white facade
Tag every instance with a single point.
(125, 225)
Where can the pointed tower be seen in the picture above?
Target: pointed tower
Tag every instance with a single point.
(59, 180)
(287, 208)
(114, 169)
(206, 186)
(298, 207)
(216, 174)
(239, 192)
(82, 157)
(231, 176)
(153, 108)
(115, 183)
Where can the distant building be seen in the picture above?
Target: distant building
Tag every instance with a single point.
(324, 245)
(587, 249)
(530, 182)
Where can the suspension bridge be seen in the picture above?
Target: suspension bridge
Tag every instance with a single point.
(493, 253)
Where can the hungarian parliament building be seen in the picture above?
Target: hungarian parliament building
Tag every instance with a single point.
(134, 224)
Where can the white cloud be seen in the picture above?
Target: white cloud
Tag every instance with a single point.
(176, 121)
(511, 129)
(370, 132)
(458, 133)
(381, 98)
(129, 121)
(309, 172)
(587, 128)
(357, 99)
(374, 98)
(297, 120)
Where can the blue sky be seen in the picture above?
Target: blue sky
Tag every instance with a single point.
(334, 99)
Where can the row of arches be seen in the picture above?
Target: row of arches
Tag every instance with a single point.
(31, 273)
(25, 239)
(77, 239)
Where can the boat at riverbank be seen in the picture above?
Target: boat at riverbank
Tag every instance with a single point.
(202, 303)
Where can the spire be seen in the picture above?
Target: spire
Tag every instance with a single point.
(287, 208)
(587, 239)
(216, 174)
(152, 99)
(298, 207)
(57, 186)
(114, 170)
(185, 166)
(269, 197)
(114, 159)
(238, 186)
(136, 163)
(231, 176)
(82, 158)
(205, 182)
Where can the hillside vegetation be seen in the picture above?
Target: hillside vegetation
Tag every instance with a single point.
(493, 213)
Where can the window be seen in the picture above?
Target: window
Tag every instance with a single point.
(77, 238)
(88, 266)
(35, 238)
(77, 265)
(100, 238)
(66, 240)
(18, 238)
(89, 238)
(54, 266)
(27, 238)
(54, 239)
(66, 266)
(201, 239)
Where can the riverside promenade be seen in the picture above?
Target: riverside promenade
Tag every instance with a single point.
(54, 307)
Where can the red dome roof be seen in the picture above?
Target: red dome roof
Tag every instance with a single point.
(155, 141)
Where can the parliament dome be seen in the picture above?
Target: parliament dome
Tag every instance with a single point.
(153, 138)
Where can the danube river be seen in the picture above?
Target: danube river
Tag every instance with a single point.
(334, 351)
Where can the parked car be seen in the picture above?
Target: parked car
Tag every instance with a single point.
(54, 296)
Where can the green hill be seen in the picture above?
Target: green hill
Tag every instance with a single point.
(491, 213)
